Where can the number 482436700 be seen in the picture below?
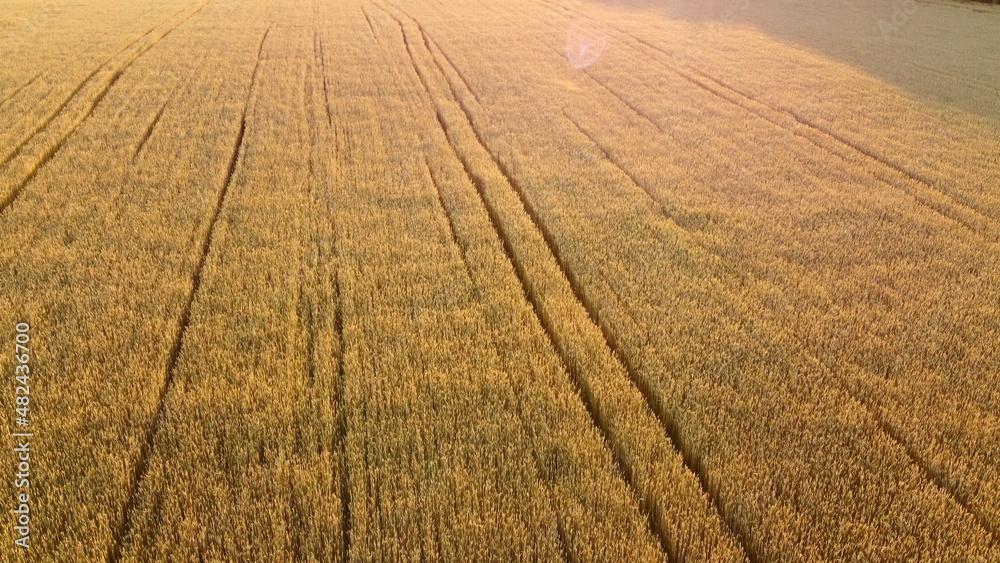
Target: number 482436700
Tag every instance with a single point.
(22, 371)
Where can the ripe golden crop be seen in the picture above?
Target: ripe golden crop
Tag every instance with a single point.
(399, 280)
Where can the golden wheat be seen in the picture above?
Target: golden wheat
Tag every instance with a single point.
(413, 280)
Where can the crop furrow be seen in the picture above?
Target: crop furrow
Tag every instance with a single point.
(309, 328)
(746, 101)
(368, 19)
(658, 206)
(341, 444)
(637, 111)
(114, 77)
(947, 485)
(585, 397)
(667, 544)
(690, 461)
(611, 342)
(529, 296)
(511, 256)
(149, 129)
(139, 472)
(563, 546)
(943, 483)
(427, 44)
(48, 120)
(611, 158)
(322, 63)
(49, 153)
(968, 82)
(451, 221)
(152, 29)
(21, 87)
(413, 60)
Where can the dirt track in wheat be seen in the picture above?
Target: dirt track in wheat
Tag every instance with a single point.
(394, 280)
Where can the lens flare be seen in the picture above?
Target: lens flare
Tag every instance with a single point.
(586, 41)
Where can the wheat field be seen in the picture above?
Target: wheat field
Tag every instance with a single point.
(443, 280)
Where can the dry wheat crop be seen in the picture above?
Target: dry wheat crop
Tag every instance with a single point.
(533, 280)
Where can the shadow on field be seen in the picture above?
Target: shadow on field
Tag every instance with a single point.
(942, 51)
